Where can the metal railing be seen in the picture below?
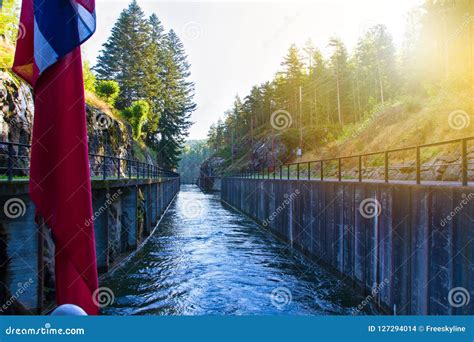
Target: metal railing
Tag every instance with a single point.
(15, 164)
(320, 166)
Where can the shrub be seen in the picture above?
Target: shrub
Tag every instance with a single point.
(107, 90)
(137, 115)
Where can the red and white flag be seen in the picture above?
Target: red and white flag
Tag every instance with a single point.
(48, 56)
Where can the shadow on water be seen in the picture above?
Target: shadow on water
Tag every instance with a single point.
(205, 259)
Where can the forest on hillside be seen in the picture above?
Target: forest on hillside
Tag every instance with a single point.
(193, 154)
(314, 99)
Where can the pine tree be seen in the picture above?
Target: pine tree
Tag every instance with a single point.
(339, 68)
(150, 66)
(123, 59)
(177, 102)
(153, 85)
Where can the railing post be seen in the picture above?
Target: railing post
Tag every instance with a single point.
(281, 171)
(386, 176)
(268, 170)
(339, 173)
(10, 162)
(309, 170)
(298, 171)
(129, 162)
(418, 165)
(104, 168)
(464, 175)
(118, 167)
(322, 170)
(288, 171)
(360, 168)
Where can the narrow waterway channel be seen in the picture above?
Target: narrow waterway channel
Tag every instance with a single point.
(206, 259)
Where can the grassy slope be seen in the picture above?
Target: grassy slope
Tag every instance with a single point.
(404, 123)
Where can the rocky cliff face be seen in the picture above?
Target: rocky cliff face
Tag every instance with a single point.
(265, 153)
(107, 135)
(16, 110)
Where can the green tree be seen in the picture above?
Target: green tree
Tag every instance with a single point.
(177, 101)
(136, 115)
(153, 85)
(107, 90)
(9, 20)
(339, 69)
(89, 77)
(122, 57)
(375, 63)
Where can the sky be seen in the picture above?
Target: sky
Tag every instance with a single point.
(232, 46)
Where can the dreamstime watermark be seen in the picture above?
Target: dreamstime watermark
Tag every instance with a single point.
(458, 297)
(370, 208)
(102, 121)
(281, 297)
(193, 209)
(378, 110)
(288, 199)
(14, 208)
(281, 119)
(192, 30)
(21, 289)
(103, 296)
(108, 202)
(21, 31)
(46, 330)
(459, 119)
(457, 209)
(372, 296)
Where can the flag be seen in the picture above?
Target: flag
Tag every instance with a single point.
(48, 56)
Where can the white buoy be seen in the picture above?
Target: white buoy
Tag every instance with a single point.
(68, 310)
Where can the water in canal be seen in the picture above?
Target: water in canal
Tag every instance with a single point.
(205, 259)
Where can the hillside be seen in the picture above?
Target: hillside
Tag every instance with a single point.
(331, 101)
(403, 123)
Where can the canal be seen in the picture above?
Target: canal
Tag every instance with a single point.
(207, 259)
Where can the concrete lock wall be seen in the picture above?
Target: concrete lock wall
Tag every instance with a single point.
(124, 214)
(412, 247)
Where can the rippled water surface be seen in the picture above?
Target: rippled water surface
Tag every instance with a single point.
(205, 258)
